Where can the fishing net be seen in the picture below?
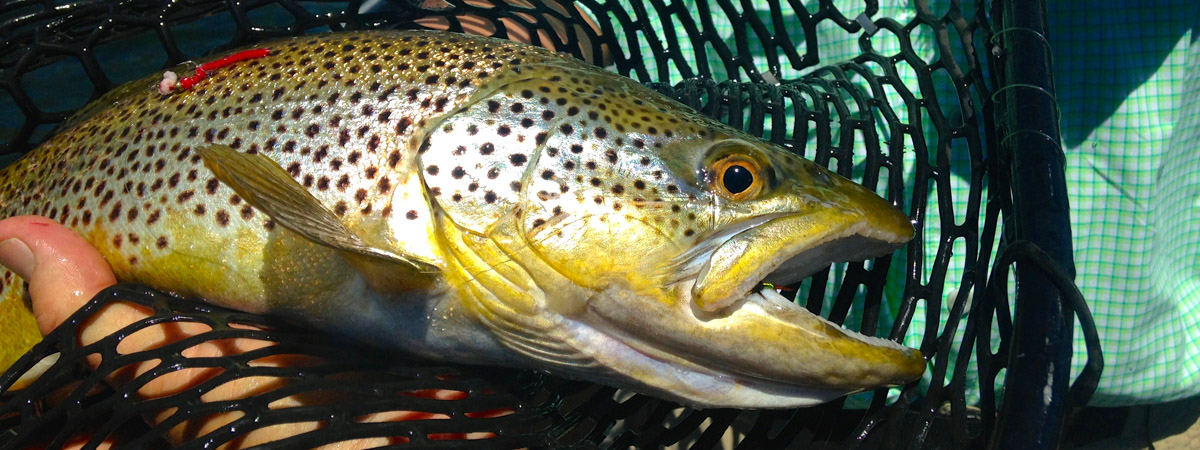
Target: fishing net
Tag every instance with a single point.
(913, 101)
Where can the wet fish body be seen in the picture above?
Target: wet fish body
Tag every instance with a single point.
(476, 200)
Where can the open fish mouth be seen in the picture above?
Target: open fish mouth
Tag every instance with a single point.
(724, 340)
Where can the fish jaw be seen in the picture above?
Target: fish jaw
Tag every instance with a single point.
(763, 352)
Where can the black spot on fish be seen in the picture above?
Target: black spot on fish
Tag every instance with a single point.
(517, 159)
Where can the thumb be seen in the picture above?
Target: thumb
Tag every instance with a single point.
(63, 270)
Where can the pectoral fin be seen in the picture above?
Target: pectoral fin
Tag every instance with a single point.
(267, 187)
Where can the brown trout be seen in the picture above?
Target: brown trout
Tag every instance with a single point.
(480, 201)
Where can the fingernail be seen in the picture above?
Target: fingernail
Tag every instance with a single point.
(17, 257)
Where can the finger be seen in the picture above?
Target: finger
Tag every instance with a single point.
(63, 270)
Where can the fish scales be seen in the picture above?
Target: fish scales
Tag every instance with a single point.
(475, 200)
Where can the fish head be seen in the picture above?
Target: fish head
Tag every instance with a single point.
(673, 237)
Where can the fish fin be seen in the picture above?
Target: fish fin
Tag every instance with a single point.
(266, 186)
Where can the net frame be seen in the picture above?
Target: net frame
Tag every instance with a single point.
(826, 101)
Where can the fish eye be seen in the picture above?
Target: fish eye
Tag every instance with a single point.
(738, 177)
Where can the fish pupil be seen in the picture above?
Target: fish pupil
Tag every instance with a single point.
(737, 179)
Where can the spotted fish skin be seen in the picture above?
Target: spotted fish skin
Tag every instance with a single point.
(473, 200)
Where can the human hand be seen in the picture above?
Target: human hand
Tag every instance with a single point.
(64, 272)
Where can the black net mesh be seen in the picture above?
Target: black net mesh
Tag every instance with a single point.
(761, 70)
